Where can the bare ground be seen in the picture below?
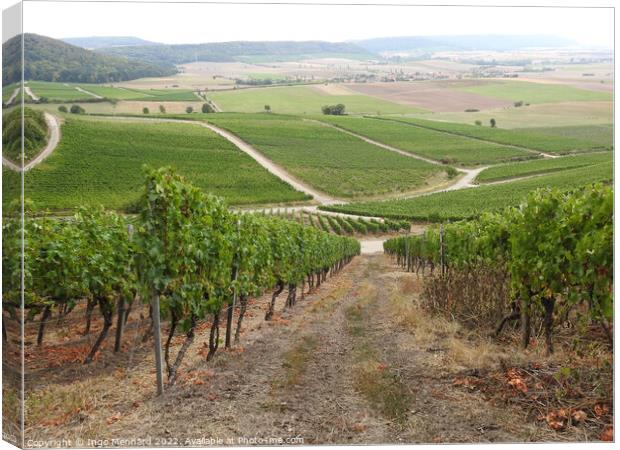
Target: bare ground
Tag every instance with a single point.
(354, 362)
(431, 96)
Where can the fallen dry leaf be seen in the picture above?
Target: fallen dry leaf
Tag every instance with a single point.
(600, 410)
(113, 418)
(579, 416)
(608, 434)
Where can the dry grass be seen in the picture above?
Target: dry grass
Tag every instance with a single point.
(296, 360)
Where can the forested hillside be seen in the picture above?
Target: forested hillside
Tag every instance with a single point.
(48, 59)
(92, 42)
(236, 51)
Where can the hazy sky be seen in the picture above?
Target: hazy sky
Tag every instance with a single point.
(194, 23)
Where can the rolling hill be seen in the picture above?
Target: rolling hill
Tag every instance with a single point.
(48, 59)
(92, 42)
(245, 51)
(461, 43)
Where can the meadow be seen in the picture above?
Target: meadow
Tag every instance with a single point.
(556, 140)
(57, 91)
(533, 116)
(112, 92)
(87, 169)
(65, 92)
(595, 135)
(471, 202)
(331, 161)
(540, 166)
(429, 143)
(301, 100)
(535, 92)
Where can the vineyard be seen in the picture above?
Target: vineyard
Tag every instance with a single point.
(86, 170)
(442, 147)
(185, 253)
(543, 140)
(331, 161)
(342, 225)
(537, 270)
(471, 202)
(542, 166)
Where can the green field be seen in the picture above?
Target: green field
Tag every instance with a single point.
(167, 95)
(66, 92)
(540, 166)
(301, 100)
(535, 92)
(57, 91)
(540, 115)
(593, 135)
(100, 162)
(332, 161)
(111, 92)
(429, 143)
(7, 91)
(542, 139)
(468, 203)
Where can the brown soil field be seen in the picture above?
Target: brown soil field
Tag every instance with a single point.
(433, 96)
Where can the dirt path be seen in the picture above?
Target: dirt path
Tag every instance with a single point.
(92, 94)
(463, 182)
(322, 198)
(29, 92)
(12, 97)
(338, 369)
(273, 168)
(473, 138)
(52, 142)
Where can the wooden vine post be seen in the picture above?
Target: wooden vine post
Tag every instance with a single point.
(231, 307)
(157, 338)
(442, 251)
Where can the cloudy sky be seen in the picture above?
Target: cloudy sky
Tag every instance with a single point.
(194, 23)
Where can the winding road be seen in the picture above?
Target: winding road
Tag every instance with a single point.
(52, 142)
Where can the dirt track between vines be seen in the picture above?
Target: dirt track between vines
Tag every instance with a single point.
(326, 373)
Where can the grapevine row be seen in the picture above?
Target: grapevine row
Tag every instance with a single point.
(186, 248)
(556, 250)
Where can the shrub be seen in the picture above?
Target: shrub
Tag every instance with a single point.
(62, 108)
(207, 108)
(478, 122)
(145, 110)
(451, 172)
(189, 110)
(162, 109)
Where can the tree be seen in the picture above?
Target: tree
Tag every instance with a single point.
(62, 108)
(334, 110)
(207, 108)
(162, 109)
(267, 108)
(77, 109)
(189, 110)
(493, 123)
(145, 110)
